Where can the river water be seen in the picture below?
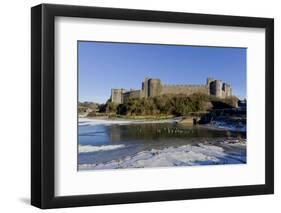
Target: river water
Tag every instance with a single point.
(102, 142)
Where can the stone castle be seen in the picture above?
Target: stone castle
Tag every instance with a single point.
(153, 87)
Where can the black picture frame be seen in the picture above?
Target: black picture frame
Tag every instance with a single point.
(43, 110)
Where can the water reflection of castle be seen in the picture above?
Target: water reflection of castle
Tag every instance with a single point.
(153, 87)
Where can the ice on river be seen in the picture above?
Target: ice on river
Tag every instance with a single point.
(186, 155)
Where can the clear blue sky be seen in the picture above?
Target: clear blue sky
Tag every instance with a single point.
(106, 65)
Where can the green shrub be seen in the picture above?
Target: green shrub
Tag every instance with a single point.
(178, 105)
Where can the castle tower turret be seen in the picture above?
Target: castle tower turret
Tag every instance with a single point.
(145, 88)
(116, 96)
(215, 88)
(226, 90)
(208, 82)
(154, 87)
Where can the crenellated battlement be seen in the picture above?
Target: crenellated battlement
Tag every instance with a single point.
(153, 87)
(183, 85)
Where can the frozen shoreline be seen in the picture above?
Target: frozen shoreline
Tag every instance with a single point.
(186, 155)
(223, 126)
(214, 125)
(209, 152)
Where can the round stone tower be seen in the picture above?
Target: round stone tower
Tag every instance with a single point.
(227, 90)
(216, 88)
(154, 87)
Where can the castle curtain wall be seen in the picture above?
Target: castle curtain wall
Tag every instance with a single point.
(184, 89)
(131, 94)
(153, 87)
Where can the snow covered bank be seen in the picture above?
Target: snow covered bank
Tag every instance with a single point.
(90, 148)
(187, 155)
(225, 126)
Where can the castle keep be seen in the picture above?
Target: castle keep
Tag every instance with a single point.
(153, 87)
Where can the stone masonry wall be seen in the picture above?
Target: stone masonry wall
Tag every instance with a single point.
(131, 94)
(184, 89)
(153, 87)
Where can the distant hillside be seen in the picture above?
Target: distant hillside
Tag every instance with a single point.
(85, 107)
